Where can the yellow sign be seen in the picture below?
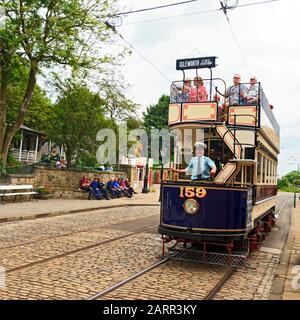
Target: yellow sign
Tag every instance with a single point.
(191, 192)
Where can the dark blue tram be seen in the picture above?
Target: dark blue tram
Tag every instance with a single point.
(230, 213)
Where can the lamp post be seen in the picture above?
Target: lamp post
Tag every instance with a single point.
(146, 178)
(163, 152)
(145, 187)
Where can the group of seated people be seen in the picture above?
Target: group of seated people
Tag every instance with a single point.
(114, 188)
(241, 94)
(191, 93)
(236, 94)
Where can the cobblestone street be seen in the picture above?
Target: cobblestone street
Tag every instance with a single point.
(76, 256)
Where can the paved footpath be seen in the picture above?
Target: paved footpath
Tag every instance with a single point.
(55, 207)
(292, 282)
(287, 279)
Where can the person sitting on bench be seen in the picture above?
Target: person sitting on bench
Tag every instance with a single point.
(117, 188)
(110, 188)
(94, 190)
(85, 183)
(105, 192)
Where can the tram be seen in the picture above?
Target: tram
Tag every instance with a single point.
(229, 214)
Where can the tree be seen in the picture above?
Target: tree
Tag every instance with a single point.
(117, 106)
(76, 119)
(43, 34)
(289, 182)
(156, 115)
(40, 106)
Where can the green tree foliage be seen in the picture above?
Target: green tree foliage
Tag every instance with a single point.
(45, 34)
(133, 123)
(156, 115)
(290, 182)
(76, 119)
(117, 106)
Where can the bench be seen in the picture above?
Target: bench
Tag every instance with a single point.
(16, 190)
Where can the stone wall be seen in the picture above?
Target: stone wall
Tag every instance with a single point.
(65, 183)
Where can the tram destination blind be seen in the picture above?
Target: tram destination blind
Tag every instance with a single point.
(196, 63)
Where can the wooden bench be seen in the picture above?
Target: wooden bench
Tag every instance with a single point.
(16, 190)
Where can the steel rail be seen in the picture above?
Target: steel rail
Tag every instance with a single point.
(94, 228)
(220, 284)
(122, 283)
(64, 254)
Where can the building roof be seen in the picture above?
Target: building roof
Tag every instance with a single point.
(30, 130)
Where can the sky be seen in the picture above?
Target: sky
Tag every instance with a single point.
(267, 46)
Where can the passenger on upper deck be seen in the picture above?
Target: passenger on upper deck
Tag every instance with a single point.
(252, 92)
(236, 92)
(181, 93)
(198, 91)
(202, 167)
(186, 90)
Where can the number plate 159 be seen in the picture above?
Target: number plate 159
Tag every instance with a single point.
(191, 192)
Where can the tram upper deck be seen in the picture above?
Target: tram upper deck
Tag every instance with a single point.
(204, 104)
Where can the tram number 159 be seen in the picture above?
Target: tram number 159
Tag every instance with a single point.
(191, 192)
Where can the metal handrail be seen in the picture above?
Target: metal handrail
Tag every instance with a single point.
(231, 129)
(181, 82)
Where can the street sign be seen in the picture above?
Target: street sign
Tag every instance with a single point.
(196, 63)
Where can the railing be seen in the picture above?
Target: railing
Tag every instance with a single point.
(26, 156)
(196, 91)
(206, 90)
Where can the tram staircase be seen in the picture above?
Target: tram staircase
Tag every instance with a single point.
(232, 168)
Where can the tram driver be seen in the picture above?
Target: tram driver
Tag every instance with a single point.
(202, 167)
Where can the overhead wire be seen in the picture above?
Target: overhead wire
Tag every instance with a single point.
(173, 17)
(224, 8)
(239, 47)
(153, 8)
(198, 13)
(137, 51)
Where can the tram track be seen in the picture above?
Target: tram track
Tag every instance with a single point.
(65, 254)
(209, 296)
(129, 279)
(230, 271)
(70, 233)
(220, 282)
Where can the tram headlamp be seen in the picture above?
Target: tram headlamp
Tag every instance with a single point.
(191, 206)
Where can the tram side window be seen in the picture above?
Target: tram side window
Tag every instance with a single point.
(259, 159)
(268, 171)
(271, 172)
(263, 169)
(249, 175)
